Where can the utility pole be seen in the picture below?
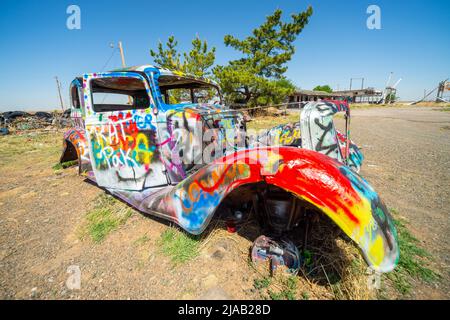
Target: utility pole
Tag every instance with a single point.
(121, 54)
(58, 85)
(362, 82)
(130, 101)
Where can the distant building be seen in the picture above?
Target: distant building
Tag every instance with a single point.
(301, 95)
(368, 95)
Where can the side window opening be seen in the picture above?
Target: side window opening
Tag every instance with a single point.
(119, 93)
(182, 90)
(75, 97)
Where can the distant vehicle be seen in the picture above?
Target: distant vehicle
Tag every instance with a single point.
(163, 142)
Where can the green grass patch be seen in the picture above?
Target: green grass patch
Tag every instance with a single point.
(262, 283)
(284, 288)
(64, 165)
(288, 292)
(106, 215)
(414, 260)
(178, 245)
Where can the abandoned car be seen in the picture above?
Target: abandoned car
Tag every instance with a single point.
(163, 142)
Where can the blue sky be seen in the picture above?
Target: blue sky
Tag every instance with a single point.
(335, 46)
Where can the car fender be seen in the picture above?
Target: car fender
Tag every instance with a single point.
(78, 140)
(346, 198)
(330, 186)
(75, 147)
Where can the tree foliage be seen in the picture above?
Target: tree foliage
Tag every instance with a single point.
(258, 77)
(325, 88)
(169, 57)
(198, 61)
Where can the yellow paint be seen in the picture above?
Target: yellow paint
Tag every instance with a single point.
(376, 251)
(143, 154)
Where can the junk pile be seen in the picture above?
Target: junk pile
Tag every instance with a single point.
(16, 121)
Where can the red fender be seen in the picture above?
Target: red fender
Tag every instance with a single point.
(330, 186)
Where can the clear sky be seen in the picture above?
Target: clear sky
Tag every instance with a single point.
(336, 45)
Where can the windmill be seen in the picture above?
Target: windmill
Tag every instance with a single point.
(389, 92)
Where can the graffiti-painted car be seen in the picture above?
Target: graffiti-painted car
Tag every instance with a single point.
(163, 142)
(316, 131)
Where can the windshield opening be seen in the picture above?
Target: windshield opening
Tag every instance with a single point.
(180, 90)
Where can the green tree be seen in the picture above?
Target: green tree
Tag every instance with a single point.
(325, 88)
(258, 77)
(169, 57)
(198, 61)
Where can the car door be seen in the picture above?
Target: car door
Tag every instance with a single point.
(121, 131)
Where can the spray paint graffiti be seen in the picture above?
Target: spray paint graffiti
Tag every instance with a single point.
(119, 143)
(282, 135)
(183, 162)
(316, 131)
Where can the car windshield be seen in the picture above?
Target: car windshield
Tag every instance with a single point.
(183, 90)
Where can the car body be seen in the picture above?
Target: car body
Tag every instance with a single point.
(316, 131)
(165, 152)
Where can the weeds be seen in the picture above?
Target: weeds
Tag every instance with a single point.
(178, 245)
(65, 165)
(281, 287)
(19, 147)
(262, 283)
(288, 292)
(413, 262)
(106, 216)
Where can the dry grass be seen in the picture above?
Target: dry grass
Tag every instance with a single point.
(34, 144)
(267, 122)
(334, 268)
(334, 263)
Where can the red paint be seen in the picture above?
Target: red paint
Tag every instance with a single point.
(216, 185)
(335, 192)
(313, 176)
(231, 226)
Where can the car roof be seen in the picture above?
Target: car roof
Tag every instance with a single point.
(165, 72)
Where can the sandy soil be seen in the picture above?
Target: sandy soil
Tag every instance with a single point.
(407, 160)
(407, 153)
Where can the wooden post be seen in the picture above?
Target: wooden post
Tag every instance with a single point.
(121, 54)
(59, 93)
(130, 101)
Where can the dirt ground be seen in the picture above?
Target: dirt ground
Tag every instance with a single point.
(407, 160)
